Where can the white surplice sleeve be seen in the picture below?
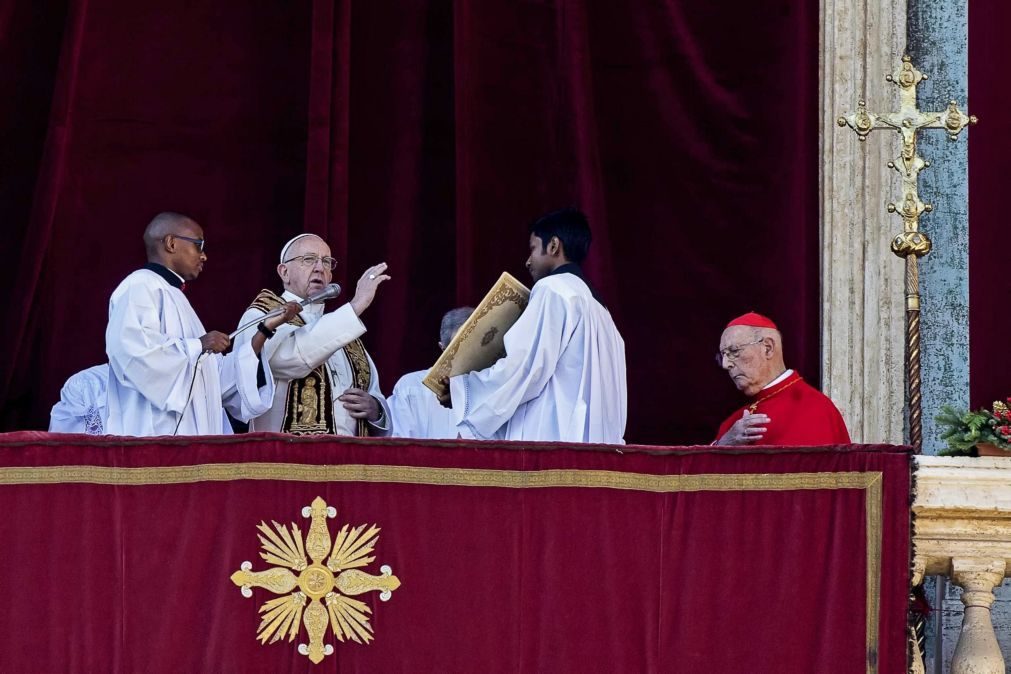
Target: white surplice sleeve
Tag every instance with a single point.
(485, 400)
(81, 408)
(404, 409)
(240, 394)
(141, 356)
(295, 351)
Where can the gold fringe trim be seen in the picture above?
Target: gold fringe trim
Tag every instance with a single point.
(459, 477)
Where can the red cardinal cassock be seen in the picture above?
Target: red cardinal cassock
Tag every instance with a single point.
(799, 413)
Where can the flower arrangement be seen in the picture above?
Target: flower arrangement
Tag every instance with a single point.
(965, 431)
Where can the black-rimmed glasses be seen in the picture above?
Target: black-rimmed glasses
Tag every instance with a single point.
(199, 243)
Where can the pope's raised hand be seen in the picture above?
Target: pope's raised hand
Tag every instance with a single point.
(365, 291)
(750, 428)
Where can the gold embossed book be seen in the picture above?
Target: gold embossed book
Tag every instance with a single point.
(478, 342)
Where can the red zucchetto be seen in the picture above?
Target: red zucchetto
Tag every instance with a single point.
(753, 320)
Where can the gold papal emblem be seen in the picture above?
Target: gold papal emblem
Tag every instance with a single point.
(327, 588)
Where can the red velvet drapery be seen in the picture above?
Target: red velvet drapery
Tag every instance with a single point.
(989, 148)
(512, 558)
(425, 133)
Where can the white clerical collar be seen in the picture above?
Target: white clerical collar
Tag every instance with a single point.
(778, 379)
(310, 312)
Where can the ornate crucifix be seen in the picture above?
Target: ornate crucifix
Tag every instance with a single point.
(911, 243)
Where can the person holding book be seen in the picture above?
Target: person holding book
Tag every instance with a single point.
(563, 374)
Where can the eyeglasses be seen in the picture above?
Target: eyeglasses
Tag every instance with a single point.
(199, 243)
(732, 353)
(311, 259)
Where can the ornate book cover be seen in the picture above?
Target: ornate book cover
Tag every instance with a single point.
(478, 342)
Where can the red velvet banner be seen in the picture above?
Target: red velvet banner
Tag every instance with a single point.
(119, 556)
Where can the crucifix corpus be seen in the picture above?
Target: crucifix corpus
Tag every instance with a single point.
(911, 243)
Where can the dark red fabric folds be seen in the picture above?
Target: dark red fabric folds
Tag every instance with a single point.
(630, 574)
(423, 133)
(989, 147)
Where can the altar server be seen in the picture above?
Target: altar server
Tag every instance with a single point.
(81, 408)
(563, 375)
(326, 380)
(166, 374)
(415, 409)
(784, 409)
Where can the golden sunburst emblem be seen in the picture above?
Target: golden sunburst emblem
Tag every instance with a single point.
(326, 588)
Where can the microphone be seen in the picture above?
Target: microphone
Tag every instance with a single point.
(328, 293)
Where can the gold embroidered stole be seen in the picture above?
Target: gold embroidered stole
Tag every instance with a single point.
(308, 405)
(361, 374)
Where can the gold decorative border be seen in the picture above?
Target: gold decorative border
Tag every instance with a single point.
(870, 482)
(506, 289)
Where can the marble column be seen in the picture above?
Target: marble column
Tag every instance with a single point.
(863, 322)
(939, 46)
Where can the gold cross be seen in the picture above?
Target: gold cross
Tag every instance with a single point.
(320, 594)
(911, 243)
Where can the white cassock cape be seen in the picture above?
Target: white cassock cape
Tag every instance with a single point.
(153, 344)
(416, 411)
(295, 351)
(562, 378)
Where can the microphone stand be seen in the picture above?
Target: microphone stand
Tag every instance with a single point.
(327, 294)
(256, 321)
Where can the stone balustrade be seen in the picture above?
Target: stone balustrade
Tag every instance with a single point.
(962, 530)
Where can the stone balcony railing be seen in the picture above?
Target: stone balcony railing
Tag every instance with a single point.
(963, 531)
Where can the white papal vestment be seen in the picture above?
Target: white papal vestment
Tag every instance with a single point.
(295, 351)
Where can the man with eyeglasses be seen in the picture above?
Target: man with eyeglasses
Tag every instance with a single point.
(326, 380)
(784, 409)
(166, 374)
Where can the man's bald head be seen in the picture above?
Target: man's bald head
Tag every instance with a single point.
(167, 240)
(164, 224)
(752, 356)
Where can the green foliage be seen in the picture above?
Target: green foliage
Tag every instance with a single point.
(964, 430)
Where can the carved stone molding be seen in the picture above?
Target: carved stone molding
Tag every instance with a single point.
(862, 281)
(962, 529)
(963, 511)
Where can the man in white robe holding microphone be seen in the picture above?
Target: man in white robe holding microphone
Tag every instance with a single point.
(166, 372)
(326, 381)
